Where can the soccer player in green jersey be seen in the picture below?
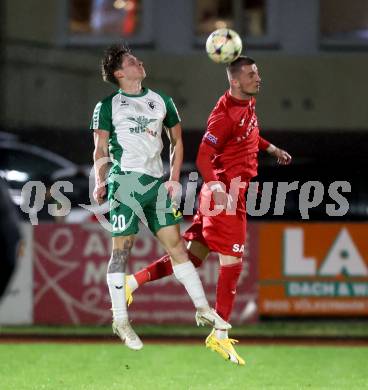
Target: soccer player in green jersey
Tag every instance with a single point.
(127, 129)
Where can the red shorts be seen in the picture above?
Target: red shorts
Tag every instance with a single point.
(222, 233)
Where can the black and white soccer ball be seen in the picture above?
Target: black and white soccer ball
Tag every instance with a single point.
(224, 45)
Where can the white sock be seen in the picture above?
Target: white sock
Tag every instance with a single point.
(116, 286)
(188, 276)
(221, 334)
(132, 282)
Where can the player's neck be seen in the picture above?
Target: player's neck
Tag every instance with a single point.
(239, 95)
(131, 87)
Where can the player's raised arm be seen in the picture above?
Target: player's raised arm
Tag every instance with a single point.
(100, 153)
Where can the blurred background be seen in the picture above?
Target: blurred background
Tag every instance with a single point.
(313, 60)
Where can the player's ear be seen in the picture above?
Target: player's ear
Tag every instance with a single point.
(234, 83)
(119, 74)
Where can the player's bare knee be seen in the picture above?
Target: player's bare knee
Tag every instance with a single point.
(229, 260)
(177, 252)
(174, 250)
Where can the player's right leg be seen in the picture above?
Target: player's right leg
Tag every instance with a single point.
(124, 225)
(225, 234)
(218, 340)
(121, 247)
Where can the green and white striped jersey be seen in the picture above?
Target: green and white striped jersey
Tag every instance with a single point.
(135, 125)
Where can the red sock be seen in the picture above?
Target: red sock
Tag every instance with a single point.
(161, 268)
(226, 289)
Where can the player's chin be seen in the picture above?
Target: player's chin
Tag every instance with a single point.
(254, 91)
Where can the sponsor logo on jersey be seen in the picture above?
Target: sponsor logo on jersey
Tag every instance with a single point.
(151, 104)
(124, 103)
(141, 123)
(210, 137)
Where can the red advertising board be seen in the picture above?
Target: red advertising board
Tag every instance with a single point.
(70, 279)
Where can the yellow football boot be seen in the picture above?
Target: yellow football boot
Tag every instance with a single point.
(224, 348)
(128, 291)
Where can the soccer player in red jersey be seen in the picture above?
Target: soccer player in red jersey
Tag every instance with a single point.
(227, 160)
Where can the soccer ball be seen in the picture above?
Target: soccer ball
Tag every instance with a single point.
(224, 45)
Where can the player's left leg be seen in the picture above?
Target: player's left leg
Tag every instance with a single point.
(163, 221)
(161, 268)
(187, 275)
(197, 252)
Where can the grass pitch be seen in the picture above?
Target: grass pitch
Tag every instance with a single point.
(308, 329)
(178, 366)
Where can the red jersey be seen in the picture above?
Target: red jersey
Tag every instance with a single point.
(228, 150)
(233, 132)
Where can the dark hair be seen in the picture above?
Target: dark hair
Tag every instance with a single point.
(112, 61)
(235, 67)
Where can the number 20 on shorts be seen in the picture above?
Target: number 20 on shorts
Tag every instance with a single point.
(118, 223)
